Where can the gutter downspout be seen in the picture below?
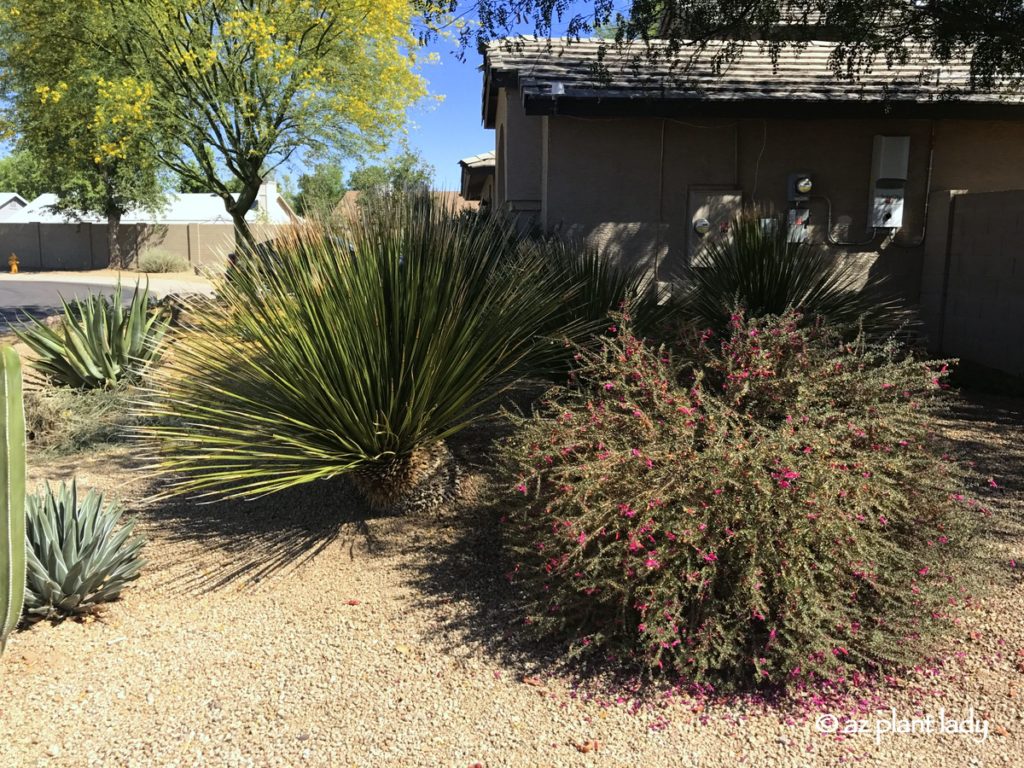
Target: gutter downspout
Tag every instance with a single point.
(661, 204)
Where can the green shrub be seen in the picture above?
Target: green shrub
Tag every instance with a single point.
(357, 350)
(162, 261)
(757, 267)
(777, 509)
(65, 420)
(100, 343)
(78, 556)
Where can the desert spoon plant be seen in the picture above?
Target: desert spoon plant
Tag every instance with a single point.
(12, 494)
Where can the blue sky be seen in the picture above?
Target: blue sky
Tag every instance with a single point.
(444, 132)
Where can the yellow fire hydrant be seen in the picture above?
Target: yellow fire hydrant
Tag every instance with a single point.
(12, 262)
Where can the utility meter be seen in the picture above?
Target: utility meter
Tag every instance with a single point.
(702, 226)
(799, 186)
(890, 163)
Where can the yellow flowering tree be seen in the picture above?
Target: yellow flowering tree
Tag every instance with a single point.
(235, 88)
(87, 123)
(249, 84)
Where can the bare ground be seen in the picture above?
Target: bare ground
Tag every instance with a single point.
(294, 630)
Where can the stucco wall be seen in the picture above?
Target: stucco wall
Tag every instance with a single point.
(626, 183)
(521, 158)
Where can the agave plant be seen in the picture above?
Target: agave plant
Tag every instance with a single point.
(360, 350)
(99, 343)
(758, 267)
(78, 556)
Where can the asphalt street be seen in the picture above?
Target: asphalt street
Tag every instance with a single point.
(18, 300)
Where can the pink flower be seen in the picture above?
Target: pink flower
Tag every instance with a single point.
(582, 538)
(608, 385)
(521, 488)
(992, 483)
(635, 452)
(650, 562)
(923, 571)
(627, 510)
(710, 557)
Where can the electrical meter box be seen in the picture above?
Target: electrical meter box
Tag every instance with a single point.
(890, 164)
(887, 206)
(710, 215)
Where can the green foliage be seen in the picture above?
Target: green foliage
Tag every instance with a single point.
(78, 555)
(777, 510)
(403, 173)
(63, 420)
(162, 261)
(605, 284)
(320, 191)
(23, 173)
(100, 343)
(867, 33)
(84, 118)
(12, 494)
(757, 267)
(359, 349)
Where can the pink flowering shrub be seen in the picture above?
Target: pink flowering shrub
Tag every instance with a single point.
(774, 510)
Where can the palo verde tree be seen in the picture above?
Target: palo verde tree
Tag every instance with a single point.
(235, 88)
(987, 33)
(85, 123)
(250, 84)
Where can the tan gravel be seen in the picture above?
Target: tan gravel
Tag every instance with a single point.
(288, 631)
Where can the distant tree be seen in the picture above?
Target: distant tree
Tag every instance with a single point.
(239, 86)
(403, 172)
(87, 122)
(320, 190)
(21, 172)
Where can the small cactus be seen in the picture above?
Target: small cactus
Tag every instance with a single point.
(12, 493)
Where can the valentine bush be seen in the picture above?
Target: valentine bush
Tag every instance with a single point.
(777, 509)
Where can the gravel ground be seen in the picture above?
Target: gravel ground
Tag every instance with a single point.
(289, 631)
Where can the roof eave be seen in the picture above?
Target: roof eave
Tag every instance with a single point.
(639, 105)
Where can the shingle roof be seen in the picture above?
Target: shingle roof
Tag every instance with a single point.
(553, 73)
(483, 160)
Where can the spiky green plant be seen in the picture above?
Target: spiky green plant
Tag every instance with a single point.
(99, 343)
(78, 555)
(12, 493)
(603, 285)
(756, 266)
(359, 350)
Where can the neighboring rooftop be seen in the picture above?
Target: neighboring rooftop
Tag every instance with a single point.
(10, 203)
(596, 77)
(483, 160)
(188, 208)
(476, 171)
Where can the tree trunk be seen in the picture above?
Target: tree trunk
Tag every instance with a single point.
(113, 241)
(240, 206)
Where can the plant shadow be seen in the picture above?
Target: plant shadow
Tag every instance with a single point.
(249, 541)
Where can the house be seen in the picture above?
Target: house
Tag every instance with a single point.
(10, 204)
(477, 181)
(907, 170)
(195, 227)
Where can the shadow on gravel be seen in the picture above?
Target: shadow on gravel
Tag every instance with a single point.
(249, 541)
(460, 572)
